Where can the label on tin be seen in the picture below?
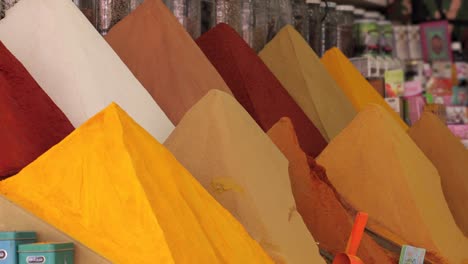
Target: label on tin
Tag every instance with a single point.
(386, 39)
(367, 35)
(35, 259)
(412, 255)
(3, 254)
(413, 88)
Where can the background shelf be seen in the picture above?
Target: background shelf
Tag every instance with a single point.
(370, 4)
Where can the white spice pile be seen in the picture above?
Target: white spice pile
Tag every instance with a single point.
(75, 65)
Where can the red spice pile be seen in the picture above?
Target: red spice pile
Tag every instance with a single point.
(30, 122)
(318, 202)
(255, 86)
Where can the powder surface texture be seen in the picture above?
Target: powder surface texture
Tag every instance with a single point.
(378, 169)
(164, 58)
(449, 157)
(74, 65)
(300, 71)
(13, 217)
(114, 188)
(223, 147)
(30, 122)
(255, 87)
(353, 84)
(325, 217)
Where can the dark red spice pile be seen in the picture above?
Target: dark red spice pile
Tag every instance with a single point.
(255, 86)
(30, 122)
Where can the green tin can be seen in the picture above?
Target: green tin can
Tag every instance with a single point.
(366, 34)
(9, 242)
(386, 41)
(46, 253)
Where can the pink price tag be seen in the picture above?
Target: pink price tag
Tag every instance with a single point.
(413, 88)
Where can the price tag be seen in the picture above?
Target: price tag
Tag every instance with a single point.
(412, 255)
(413, 88)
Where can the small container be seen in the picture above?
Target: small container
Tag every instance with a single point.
(401, 48)
(279, 14)
(46, 253)
(345, 20)
(260, 26)
(347, 14)
(299, 15)
(315, 18)
(285, 18)
(273, 17)
(366, 35)
(358, 13)
(9, 242)
(329, 26)
(386, 38)
(2, 9)
(414, 42)
(208, 15)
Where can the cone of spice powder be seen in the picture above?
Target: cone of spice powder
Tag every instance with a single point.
(164, 58)
(30, 122)
(223, 147)
(255, 87)
(300, 71)
(317, 202)
(378, 169)
(74, 64)
(354, 85)
(450, 158)
(115, 194)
